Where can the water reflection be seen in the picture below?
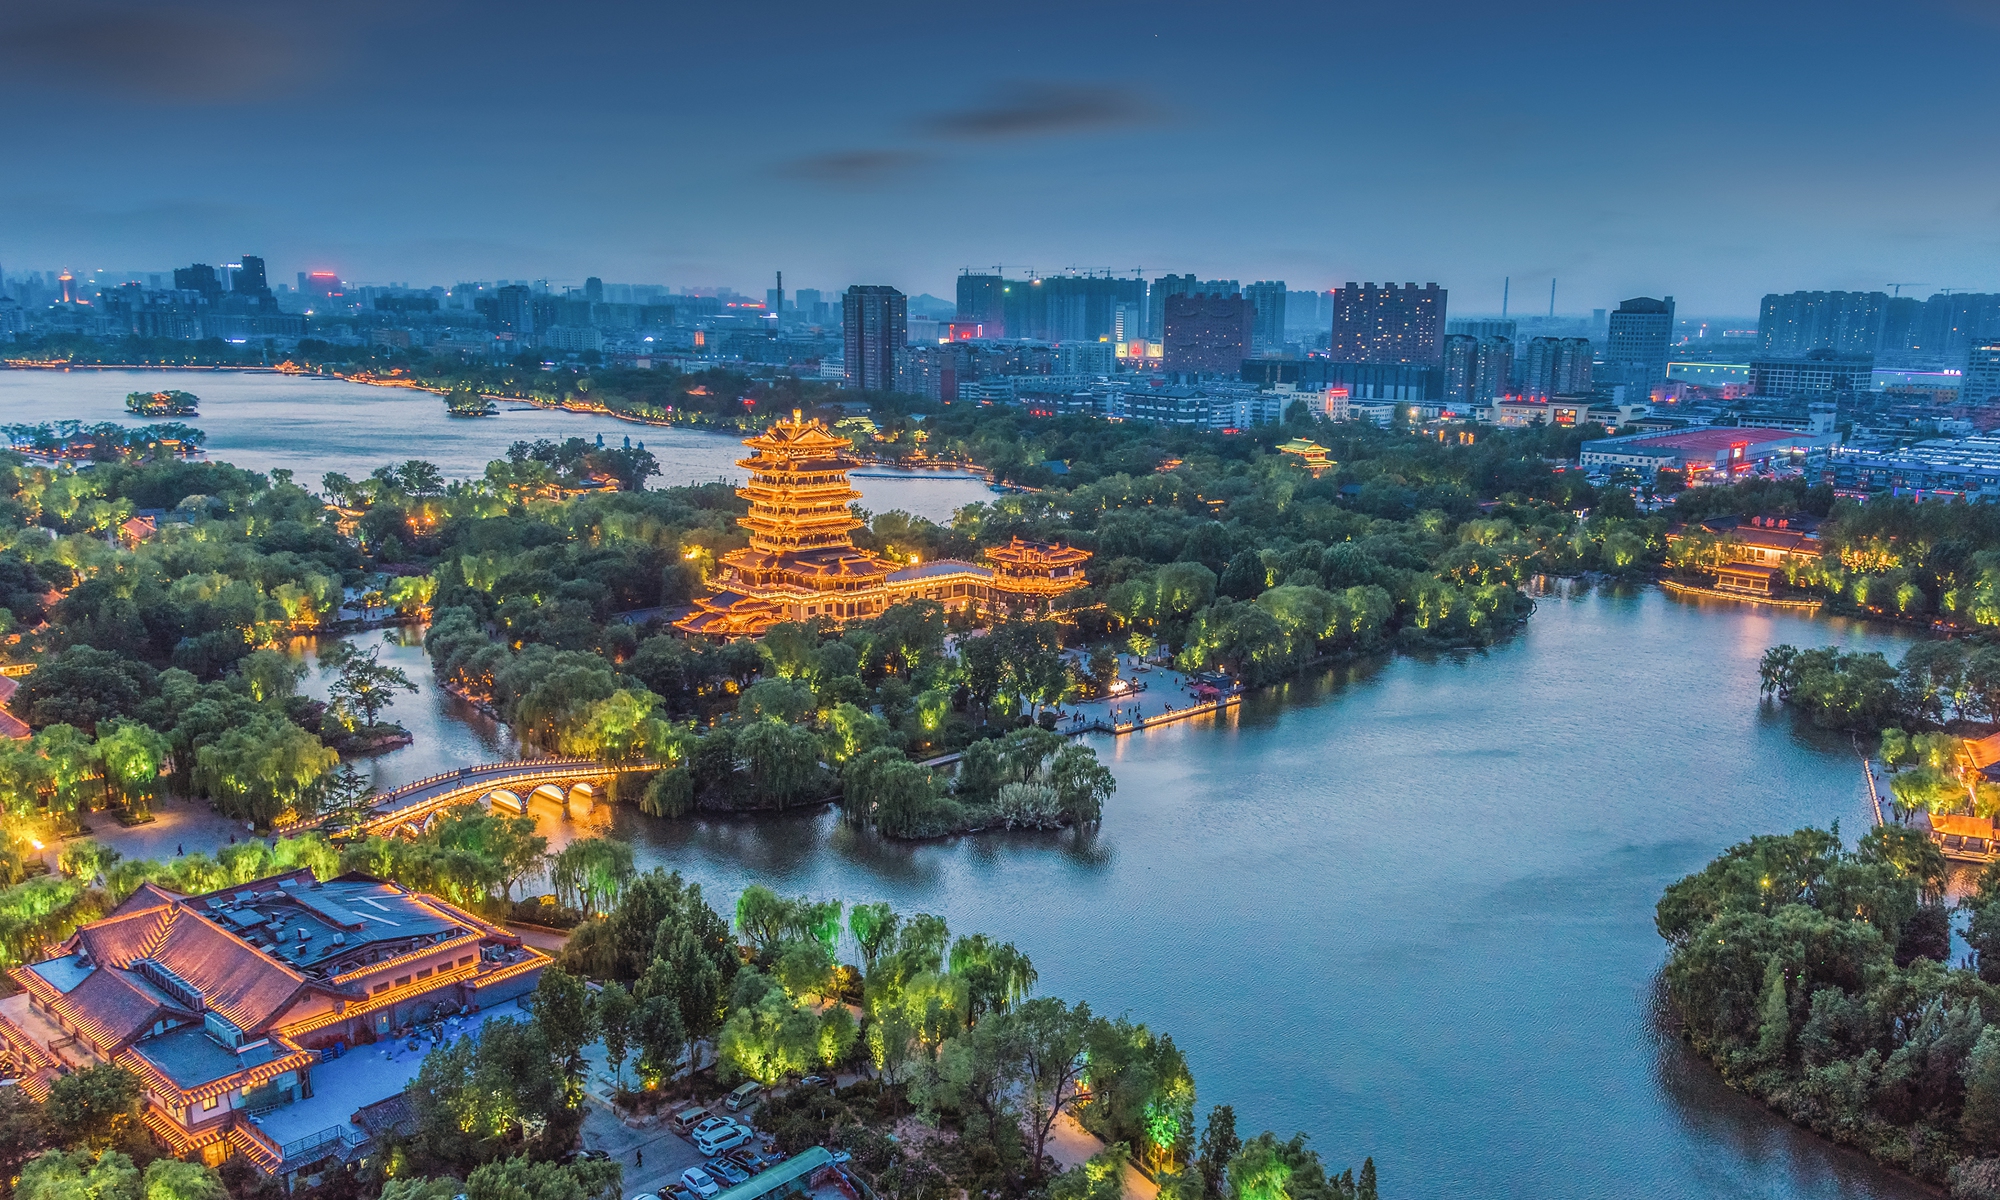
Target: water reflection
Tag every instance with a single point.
(1404, 904)
(313, 426)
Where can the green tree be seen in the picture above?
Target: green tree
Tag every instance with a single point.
(363, 685)
(615, 1014)
(132, 755)
(172, 1179)
(60, 1175)
(95, 1107)
(1219, 1144)
(1053, 1039)
(873, 927)
(563, 1011)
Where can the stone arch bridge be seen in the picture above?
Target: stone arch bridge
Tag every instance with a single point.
(571, 785)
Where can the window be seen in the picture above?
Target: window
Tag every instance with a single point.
(466, 961)
(402, 980)
(424, 974)
(380, 987)
(208, 1105)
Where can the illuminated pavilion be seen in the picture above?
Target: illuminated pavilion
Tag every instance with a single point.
(801, 563)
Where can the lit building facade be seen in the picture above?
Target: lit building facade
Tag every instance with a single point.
(802, 564)
(220, 1003)
(1388, 324)
(1635, 353)
(1207, 334)
(874, 325)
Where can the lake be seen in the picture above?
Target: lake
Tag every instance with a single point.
(311, 426)
(1404, 906)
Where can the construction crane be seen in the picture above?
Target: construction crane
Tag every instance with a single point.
(1900, 286)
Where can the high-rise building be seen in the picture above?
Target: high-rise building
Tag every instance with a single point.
(1949, 324)
(1981, 383)
(982, 301)
(1066, 308)
(1635, 349)
(1484, 327)
(1307, 317)
(1556, 367)
(1206, 334)
(1387, 324)
(1798, 323)
(874, 324)
(514, 307)
(198, 278)
(1476, 369)
(249, 279)
(1267, 316)
(593, 290)
(1821, 372)
(1156, 301)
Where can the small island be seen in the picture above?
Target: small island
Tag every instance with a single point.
(162, 404)
(464, 402)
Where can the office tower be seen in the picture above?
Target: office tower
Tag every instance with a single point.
(249, 279)
(1556, 367)
(982, 301)
(1981, 382)
(198, 278)
(1635, 351)
(1388, 324)
(1206, 334)
(1267, 316)
(514, 305)
(874, 323)
(813, 306)
(593, 290)
(1156, 301)
(1476, 369)
(1822, 372)
(1798, 323)
(1066, 308)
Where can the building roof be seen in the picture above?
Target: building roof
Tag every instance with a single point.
(798, 1167)
(111, 1006)
(190, 1058)
(1961, 826)
(1984, 752)
(1748, 569)
(1714, 439)
(939, 567)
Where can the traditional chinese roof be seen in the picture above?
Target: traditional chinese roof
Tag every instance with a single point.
(111, 1007)
(796, 438)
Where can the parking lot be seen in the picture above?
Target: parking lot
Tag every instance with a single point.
(652, 1154)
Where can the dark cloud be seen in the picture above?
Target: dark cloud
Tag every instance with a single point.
(856, 168)
(1040, 109)
(182, 53)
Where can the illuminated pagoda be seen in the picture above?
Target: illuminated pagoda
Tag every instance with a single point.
(1311, 455)
(1027, 575)
(802, 565)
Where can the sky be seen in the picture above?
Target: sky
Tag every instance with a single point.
(1709, 150)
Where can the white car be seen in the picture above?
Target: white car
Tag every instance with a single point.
(700, 1182)
(712, 1144)
(712, 1127)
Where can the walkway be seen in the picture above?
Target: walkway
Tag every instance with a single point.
(1071, 1145)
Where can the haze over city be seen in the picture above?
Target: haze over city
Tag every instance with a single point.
(1713, 151)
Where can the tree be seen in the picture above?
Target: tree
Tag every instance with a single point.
(873, 927)
(615, 1013)
(95, 1107)
(172, 1179)
(1053, 1039)
(590, 873)
(364, 685)
(132, 755)
(60, 1175)
(763, 917)
(1219, 1144)
(661, 1037)
(568, 1022)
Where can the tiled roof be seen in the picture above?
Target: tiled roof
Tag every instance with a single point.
(147, 896)
(122, 937)
(112, 1007)
(236, 980)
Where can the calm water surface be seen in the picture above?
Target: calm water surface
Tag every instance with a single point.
(313, 426)
(1405, 907)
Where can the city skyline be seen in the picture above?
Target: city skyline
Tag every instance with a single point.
(711, 148)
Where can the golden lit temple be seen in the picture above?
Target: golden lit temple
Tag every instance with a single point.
(1311, 455)
(801, 564)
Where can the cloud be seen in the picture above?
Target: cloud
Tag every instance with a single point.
(166, 53)
(1044, 109)
(856, 168)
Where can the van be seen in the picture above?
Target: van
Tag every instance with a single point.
(742, 1096)
(688, 1118)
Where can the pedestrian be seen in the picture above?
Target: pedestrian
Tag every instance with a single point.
(639, 1157)
(179, 849)
(232, 839)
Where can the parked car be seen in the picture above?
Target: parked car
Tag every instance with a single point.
(710, 1126)
(677, 1192)
(711, 1144)
(576, 1156)
(815, 1081)
(743, 1095)
(700, 1182)
(726, 1171)
(749, 1159)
